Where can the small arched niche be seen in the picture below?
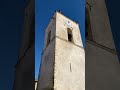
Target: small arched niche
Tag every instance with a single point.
(69, 35)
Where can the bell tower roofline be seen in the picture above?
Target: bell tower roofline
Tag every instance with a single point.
(65, 16)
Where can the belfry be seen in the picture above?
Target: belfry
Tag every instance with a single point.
(63, 57)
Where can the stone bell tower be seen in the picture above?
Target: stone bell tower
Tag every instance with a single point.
(63, 57)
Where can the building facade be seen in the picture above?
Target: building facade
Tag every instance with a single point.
(101, 58)
(63, 58)
(112, 7)
(24, 73)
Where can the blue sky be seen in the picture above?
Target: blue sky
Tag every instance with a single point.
(44, 10)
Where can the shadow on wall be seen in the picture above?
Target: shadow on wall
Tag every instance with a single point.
(114, 18)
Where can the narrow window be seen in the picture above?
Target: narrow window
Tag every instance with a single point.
(70, 38)
(70, 68)
(88, 32)
(48, 39)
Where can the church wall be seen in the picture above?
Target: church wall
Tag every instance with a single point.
(100, 24)
(29, 12)
(45, 80)
(114, 16)
(24, 72)
(102, 66)
(69, 71)
(102, 69)
(24, 75)
(61, 29)
(51, 27)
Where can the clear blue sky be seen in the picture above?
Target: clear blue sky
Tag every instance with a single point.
(44, 10)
